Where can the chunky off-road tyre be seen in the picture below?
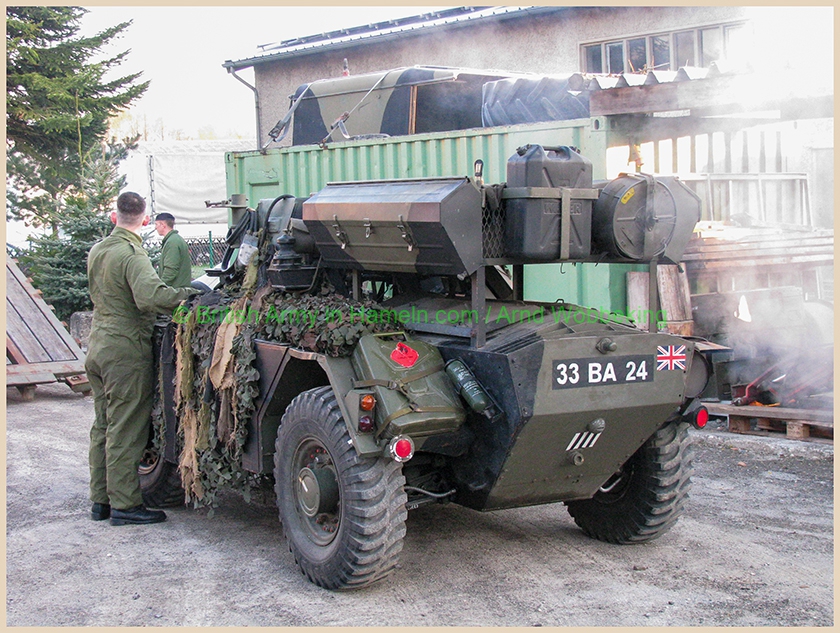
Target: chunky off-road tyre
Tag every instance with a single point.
(160, 483)
(343, 516)
(643, 500)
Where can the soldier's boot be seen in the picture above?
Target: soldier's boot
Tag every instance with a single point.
(138, 515)
(100, 511)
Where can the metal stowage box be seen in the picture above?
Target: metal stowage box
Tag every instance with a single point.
(430, 226)
(532, 221)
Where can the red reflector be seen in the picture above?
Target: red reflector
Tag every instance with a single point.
(702, 417)
(403, 449)
(405, 356)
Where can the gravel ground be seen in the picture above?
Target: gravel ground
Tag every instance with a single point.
(755, 547)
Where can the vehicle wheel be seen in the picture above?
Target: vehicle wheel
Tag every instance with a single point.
(343, 516)
(646, 497)
(160, 482)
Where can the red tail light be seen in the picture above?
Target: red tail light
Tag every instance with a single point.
(701, 418)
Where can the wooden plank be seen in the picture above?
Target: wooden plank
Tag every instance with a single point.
(27, 392)
(55, 368)
(817, 417)
(724, 94)
(674, 298)
(26, 342)
(36, 321)
(739, 424)
(674, 293)
(669, 298)
(708, 245)
(12, 350)
(759, 261)
(797, 430)
(750, 250)
(57, 328)
(637, 296)
(680, 328)
(756, 253)
(714, 245)
(28, 375)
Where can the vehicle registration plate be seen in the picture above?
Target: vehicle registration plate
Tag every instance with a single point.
(616, 370)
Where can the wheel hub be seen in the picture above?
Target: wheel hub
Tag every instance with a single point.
(317, 491)
(148, 462)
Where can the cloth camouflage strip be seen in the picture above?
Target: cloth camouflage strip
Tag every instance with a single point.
(328, 324)
(217, 381)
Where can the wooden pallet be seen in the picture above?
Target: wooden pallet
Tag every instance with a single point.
(797, 424)
(39, 349)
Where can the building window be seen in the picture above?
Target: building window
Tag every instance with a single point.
(593, 59)
(711, 46)
(684, 46)
(637, 54)
(615, 57)
(661, 51)
(667, 51)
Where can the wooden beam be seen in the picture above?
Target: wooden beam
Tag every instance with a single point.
(817, 417)
(730, 93)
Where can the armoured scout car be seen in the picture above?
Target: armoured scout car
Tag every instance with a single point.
(470, 394)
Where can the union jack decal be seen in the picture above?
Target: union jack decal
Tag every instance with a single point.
(671, 357)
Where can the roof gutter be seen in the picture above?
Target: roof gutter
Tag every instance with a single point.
(232, 71)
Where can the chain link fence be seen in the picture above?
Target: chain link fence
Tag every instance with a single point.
(206, 251)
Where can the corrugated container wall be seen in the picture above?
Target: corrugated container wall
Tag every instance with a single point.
(303, 170)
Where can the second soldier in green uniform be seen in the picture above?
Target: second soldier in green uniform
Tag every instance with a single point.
(175, 265)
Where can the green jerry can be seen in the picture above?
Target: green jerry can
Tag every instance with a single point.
(414, 396)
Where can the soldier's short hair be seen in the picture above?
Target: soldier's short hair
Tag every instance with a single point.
(168, 218)
(130, 207)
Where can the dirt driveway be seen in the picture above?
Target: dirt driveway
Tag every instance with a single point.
(755, 548)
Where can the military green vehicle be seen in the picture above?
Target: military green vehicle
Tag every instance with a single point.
(469, 395)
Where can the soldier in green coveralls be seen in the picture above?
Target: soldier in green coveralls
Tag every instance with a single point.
(175, 265)
(126, 294)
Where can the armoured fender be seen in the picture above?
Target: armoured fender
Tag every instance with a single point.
(341, 376)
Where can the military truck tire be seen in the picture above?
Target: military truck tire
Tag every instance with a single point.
(343, 516)
(645, 499)
(160, 483)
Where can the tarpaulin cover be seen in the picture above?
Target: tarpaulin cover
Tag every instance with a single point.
(178, 176)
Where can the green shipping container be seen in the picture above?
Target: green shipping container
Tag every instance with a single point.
(304, 169)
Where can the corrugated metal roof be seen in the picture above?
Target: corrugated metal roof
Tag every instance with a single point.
(596, 82)
(382, 31)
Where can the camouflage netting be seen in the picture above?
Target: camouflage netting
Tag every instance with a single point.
(217, 381)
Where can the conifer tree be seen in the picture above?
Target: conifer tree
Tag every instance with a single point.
(59, 99)
(61, 168)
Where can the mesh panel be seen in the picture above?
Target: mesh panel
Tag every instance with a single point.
(493, 223)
